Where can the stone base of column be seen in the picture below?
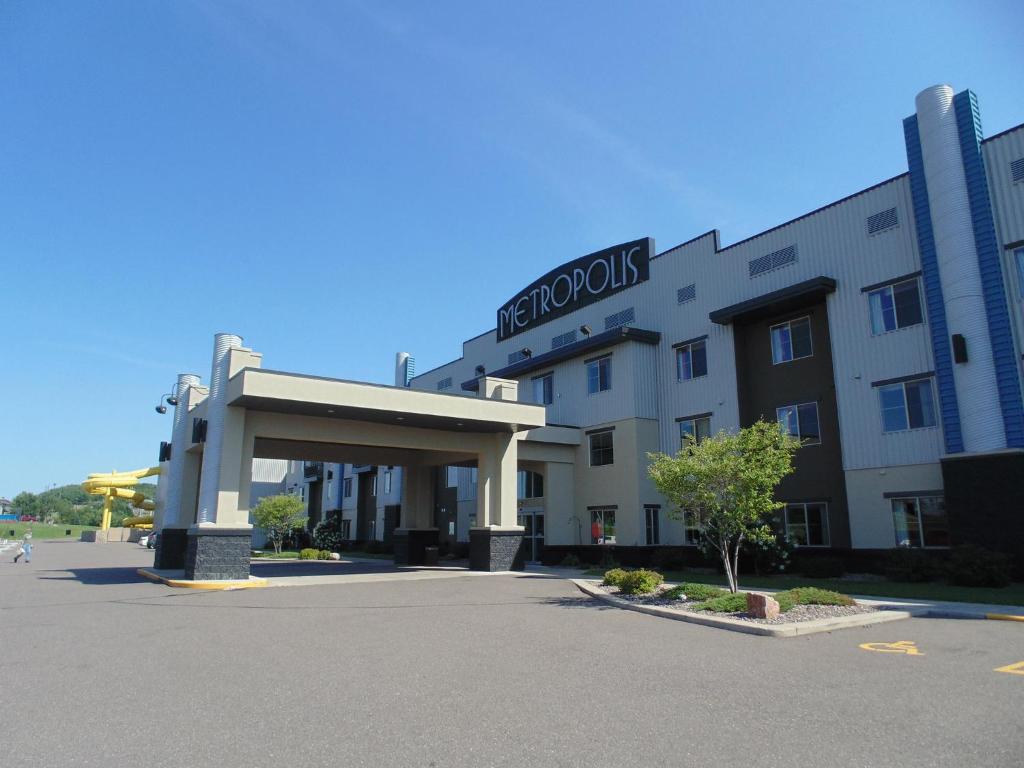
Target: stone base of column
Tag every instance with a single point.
(171, 545)
(492, 549)
(218, 553)
(411, 543)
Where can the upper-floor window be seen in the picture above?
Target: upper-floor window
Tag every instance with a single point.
(907, 405)
(387, 481)
(599, 375)
(373, 485)
(544, 389)
(531, 484)
(451, 477)
(800, 421)
(602, 450)
(895, 306)
(791, 340)
(691, 360)
(347, 487)
(920, 521)
(1018, 256)
(698, 426)
(807, 524)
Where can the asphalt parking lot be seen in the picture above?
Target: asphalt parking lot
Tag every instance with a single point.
(98, 667)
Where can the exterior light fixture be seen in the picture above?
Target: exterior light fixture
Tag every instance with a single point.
(480, 370)
(586, 330)
(526, 352)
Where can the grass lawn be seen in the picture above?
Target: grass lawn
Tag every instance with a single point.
(41, 531)
(286, 554)
(1011, 595)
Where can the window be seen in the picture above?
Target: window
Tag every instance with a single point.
(807, 524)
(346, 529)
(602, 526)
(1018, 256)
(451, 477)
(387, 481)
(651, 515)
(791, 340)
(907, 405)
(601, 449)
(699, 427)
(691, 361)
(531, 484)
(800, 421)
(544, 389)
(373, 485)
(691, 529)
(920, 521)
(444, 384)
(895, 306)
(599, 375)
(347, 486)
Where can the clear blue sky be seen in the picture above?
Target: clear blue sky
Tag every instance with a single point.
(337, 181)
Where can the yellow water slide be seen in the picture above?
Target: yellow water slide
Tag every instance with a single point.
(119, 485)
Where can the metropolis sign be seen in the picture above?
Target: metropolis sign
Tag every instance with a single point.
(576, 284)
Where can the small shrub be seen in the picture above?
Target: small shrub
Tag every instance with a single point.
(913, 565)
(327, 533)
(728, 603)
(812, 596)
(785, 601)
(323, 554)
(973, 566)
(614, 577)
(309, 554)
(701, 591)
(640, 582)
(676, 593)
(570, 561)
(822, 567)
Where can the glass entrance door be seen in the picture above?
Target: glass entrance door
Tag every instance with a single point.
(532, 521)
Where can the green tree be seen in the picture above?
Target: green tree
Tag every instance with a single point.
(728, 482)
(25, 503)
(278, 515)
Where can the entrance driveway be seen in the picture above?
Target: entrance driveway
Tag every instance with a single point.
(101, 668)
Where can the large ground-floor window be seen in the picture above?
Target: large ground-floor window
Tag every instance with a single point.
(652, 513)
(807, 524)
(691, 529)
(920, 521)
(602, 526)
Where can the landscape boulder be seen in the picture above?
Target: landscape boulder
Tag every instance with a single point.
(762, 606)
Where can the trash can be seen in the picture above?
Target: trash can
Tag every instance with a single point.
(430, 555)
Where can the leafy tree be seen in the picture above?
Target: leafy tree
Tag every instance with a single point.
(25, 503)
(728, 481)
(278, 515)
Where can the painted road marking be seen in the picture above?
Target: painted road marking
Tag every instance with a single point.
(902, 646)
(1012, 669)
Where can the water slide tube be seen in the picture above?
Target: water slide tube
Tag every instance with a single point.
(119, 485)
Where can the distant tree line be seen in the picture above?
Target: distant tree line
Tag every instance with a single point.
(70, 505)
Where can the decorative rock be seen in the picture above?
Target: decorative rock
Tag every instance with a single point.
(335, 556)
(762, 606)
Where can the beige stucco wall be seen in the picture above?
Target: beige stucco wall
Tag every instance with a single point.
(871, 523)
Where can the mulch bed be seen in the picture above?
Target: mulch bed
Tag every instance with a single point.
(797, 614)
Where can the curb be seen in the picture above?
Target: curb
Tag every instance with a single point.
(793, 629)
(212, 584)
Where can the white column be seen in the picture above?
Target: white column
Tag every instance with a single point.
(216, 413)
(172, 516)
(981, 416)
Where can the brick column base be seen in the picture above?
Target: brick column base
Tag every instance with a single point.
(218, 554)
(411, 543)
(495, 550)
(171, 544)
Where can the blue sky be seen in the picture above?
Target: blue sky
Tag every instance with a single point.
(337, 181)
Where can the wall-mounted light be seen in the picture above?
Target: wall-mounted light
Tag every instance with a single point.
(526, 352)
(586, 330)
(480, 370)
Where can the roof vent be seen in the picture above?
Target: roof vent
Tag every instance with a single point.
(563, 338)
(772, 261)
(515, 357)
(882, 221)
(444, 384)
(619, 319)
(687, 293)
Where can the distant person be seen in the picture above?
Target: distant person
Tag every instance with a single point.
(25, 549)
